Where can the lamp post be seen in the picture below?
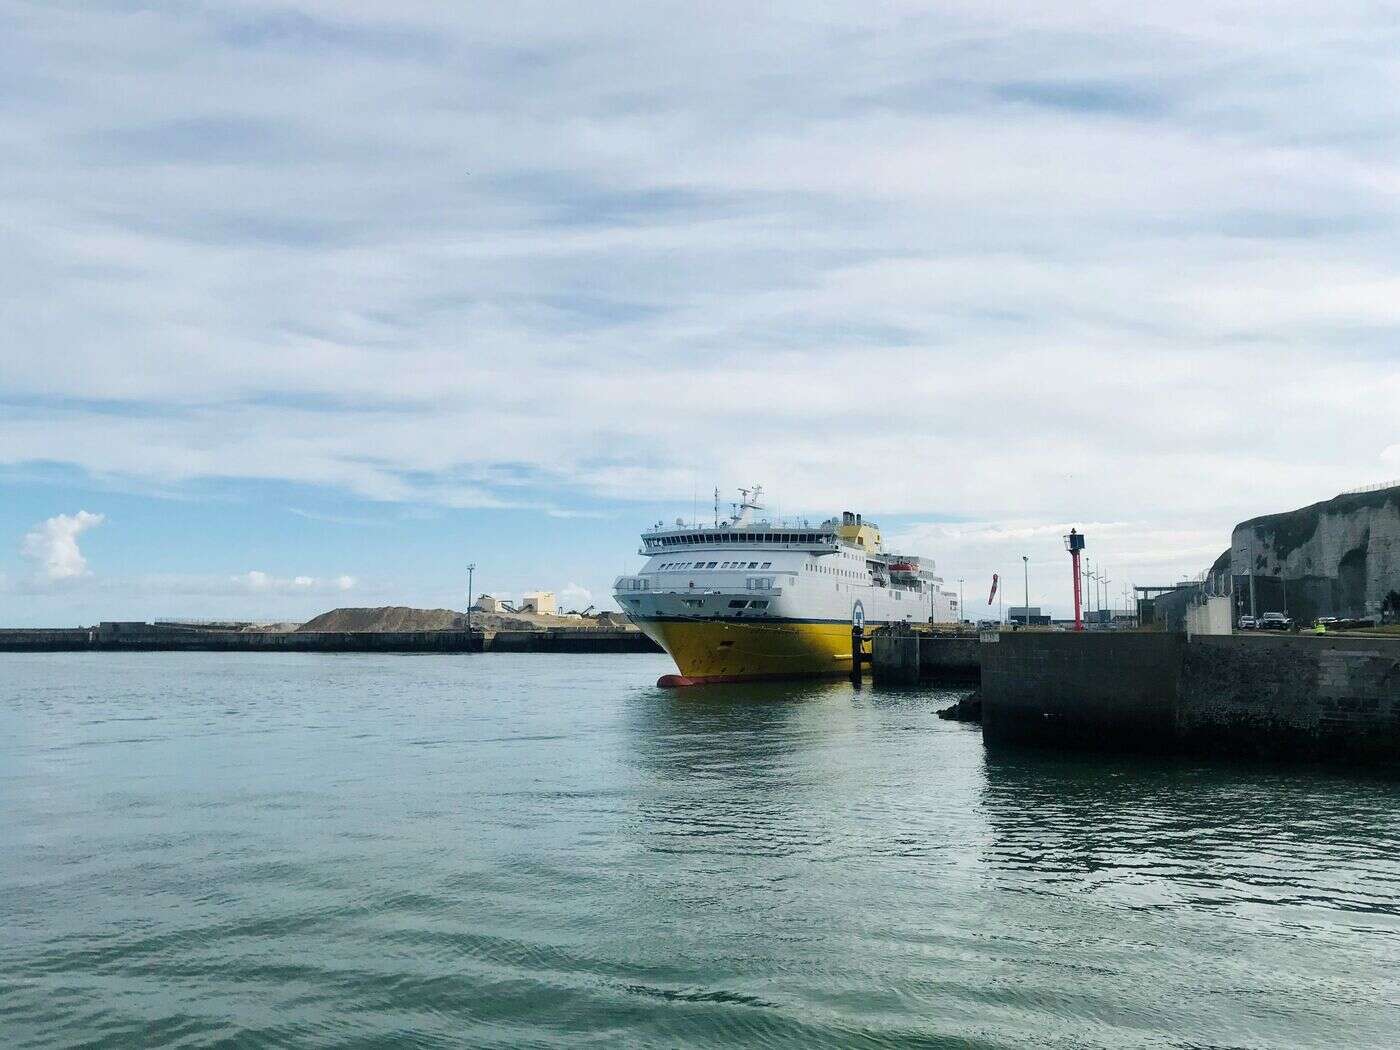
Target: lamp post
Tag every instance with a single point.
(471, 573)
(1026, 565)
(960, 602)
(1249, 565)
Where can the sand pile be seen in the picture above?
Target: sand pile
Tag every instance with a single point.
(404, 618)
(387, 618)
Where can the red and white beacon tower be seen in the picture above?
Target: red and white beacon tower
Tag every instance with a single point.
(1074, 543)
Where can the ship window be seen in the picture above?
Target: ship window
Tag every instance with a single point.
(738, 603)
(711, 565)
(758, 605)
(766, 564)
(753, 565)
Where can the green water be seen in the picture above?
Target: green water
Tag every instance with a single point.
(538, 851)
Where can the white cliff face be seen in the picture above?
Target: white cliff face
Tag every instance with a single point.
(1337, 558)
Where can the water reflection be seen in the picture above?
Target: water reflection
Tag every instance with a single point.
(810, 770)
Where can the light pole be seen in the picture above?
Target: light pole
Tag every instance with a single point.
(1026, 565)
(471, 574)
(960, 602)
(1249, 565)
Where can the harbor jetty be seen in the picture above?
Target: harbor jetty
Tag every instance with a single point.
(388, 630)
(1332, 697)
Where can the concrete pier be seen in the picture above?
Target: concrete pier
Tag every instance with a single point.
(907, 657)
(894, 658)
(1081, 690)
(143, 637)
(1324, 698)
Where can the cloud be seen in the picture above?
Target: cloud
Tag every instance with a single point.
(1122, 554)
(261, 582)
(53, 545)
(1063, 262)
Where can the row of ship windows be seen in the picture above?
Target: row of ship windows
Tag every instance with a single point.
(831, 570)
(741, 537)
(678, 565)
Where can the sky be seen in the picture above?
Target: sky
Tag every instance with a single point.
(314, 303)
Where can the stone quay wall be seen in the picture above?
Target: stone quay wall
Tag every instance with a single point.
(139, 637)
(1323, 698)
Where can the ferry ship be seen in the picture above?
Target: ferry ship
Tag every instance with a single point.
(749, 598)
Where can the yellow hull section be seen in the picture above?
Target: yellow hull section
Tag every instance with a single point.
(728, 649)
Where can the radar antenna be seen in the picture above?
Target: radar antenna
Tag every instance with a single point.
(749, 501)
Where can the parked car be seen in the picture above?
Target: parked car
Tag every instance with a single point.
(1275, 621)
(1248, 623)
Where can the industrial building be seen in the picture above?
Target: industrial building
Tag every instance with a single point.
(540, 602)
(1030, 615)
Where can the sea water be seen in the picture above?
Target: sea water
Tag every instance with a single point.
(502, 850)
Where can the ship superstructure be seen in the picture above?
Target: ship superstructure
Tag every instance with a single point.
(749, 597)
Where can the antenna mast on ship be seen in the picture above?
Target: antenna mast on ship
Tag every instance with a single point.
(746, 503)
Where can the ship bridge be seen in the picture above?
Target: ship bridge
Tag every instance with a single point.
(663, 540)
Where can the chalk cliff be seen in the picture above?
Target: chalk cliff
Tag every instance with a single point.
(1340, 557)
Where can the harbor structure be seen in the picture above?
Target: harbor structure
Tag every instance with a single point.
(541, 603)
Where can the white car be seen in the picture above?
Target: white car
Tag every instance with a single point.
(1248, 623)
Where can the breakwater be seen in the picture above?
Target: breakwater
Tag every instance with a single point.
(1331, 698)
(143, 637)
(904, 657)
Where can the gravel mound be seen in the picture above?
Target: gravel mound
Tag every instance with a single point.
(387, 618)
(404, 618)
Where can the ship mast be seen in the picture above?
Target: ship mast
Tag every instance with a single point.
(748, 501)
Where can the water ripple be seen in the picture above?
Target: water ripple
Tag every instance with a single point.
(551, 853)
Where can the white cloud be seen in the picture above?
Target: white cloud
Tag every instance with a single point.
(1108, 263)
(1122, 554)
(53, 545)
(258, 581)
